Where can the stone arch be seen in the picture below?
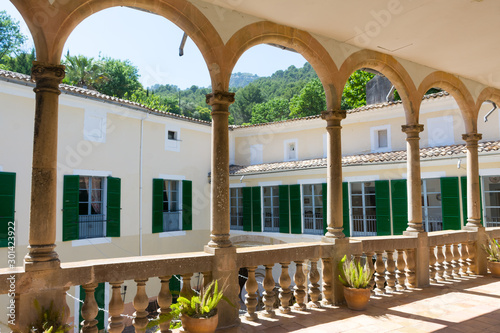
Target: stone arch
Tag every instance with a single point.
(51, 25)
(299, 40)
(488, 94)
(456, 88)
(392, 69)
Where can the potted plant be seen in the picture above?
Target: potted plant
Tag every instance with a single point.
(356, 280)
(493, 250)
(198, 313)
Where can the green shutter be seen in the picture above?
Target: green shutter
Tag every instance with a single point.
(157, 205)
(99, 297)
(71, 207)
(256, 209)
(7, 204)
(284, 209)
(187, 205)
(295, 211)
(399, 206)
(324, 195)
(463, 182)
(247, 208)
(345, 209)
(450, 203)
(113, 207)
(174, 285)
(383, 207)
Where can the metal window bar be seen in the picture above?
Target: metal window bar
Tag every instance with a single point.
(433, 224)
(92, 226)
(364, 225)
(171, 220)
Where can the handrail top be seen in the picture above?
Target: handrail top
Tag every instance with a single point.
(278, 247)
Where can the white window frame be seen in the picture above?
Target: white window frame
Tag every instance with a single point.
(237, 227)
(313, 205)
(363, 206)
(173, 145)
(179, 179)
(286, 145)
(374, 138)
(271, 207)
(485, 193)
(256, 151)
(94, 134)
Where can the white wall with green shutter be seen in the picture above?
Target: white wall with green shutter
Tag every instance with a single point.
(71, 207)
(7, 204)
(157, 205)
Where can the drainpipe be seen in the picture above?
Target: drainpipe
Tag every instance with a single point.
(140, 183)
(389, 94)
(491, 111)
(183, 42)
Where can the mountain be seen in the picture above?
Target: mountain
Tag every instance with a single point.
(240, 80)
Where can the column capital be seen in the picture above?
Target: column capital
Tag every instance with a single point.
(333, 115)
(472, 138)
(47, 76)
(412, 129)
(220, 97)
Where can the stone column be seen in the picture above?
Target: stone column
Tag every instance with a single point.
(474, 201)
(334, 173)
(225, 268)
(414, 187)
(219, 221)
(44, 176)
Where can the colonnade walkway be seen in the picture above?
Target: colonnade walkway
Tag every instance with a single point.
(465, 304)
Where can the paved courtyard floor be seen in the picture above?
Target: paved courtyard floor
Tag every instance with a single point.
(469, 304)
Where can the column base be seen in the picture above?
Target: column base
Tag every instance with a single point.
(474, 223)
(219, 241)
(414, 227)
(41, 257)
(334, 233)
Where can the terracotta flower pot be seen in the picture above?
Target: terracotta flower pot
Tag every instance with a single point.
(494, 267)
(200, 325)
(357, 299)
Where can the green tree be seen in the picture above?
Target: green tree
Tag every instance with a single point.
(274, 110)
(11, 38)
(354, 95)
(84, 72)
(203, 113)
(310, 101)
(123, 77)
(245, 99)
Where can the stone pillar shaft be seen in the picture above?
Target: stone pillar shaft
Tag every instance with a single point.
(473, 192)
(414, 187)
(334, 173)
(44, 175)
(219, 221)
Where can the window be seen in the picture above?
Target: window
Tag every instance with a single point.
(91, 207)
(7, 205)
(492, 201)
(92, 219)
(381, 138)
(312, 199)
(172, 135)
(171, 211)
(236, 208)
(271, 208)
(172, 205)
(432, 215)
(291, 150)
(172, 138)
(364, 210)
(256, 154)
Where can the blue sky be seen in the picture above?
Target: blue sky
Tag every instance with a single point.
(152, 44)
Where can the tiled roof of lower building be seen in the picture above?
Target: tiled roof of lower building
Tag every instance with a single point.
(362, 159)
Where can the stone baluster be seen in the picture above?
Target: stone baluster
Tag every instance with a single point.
(89, 310)
(116, 308)
(314, 291)
(357, 258)
(410, 268)
(186, 290)
(164, 301)
(471, 248)
(400, 272)
(269, 296)
(207, 279)
(432, 263)
(251, 287)
(327, 281)
(439, 263)
(369, 260)
(455, 263)
(141, 302)
(66, 310)
(464, 254)
(379, 273)
(285, 292)
(447, 262)
(300, 286)
(390, 276)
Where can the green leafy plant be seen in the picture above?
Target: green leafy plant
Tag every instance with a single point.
(353, 275)
(49, 320)
(493, 249)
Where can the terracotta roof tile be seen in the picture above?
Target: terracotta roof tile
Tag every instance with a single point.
(394, 156)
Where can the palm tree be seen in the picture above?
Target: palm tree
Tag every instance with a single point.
(84, 72)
